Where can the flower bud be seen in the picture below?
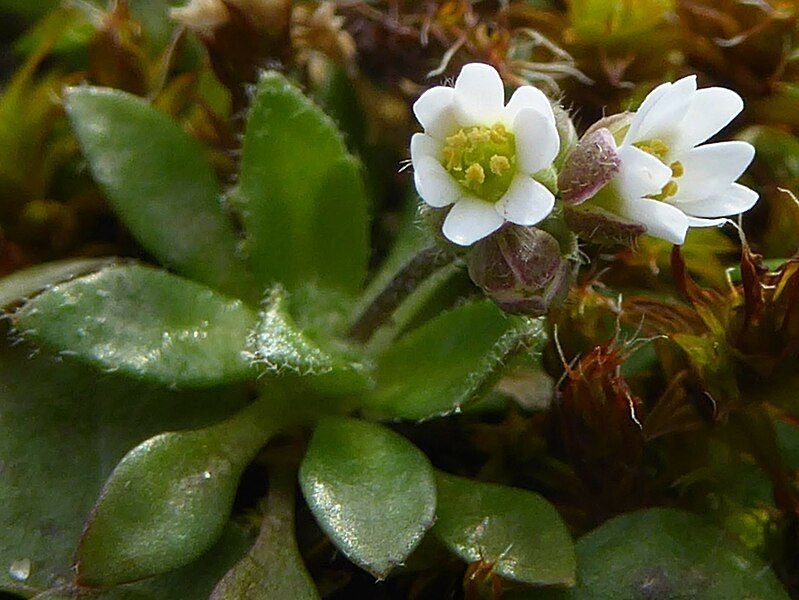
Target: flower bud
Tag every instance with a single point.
(593, 163)
(521, 269)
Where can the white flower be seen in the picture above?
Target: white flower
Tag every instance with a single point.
(667, 182)
(480, 155)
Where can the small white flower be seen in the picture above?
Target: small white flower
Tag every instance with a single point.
(667, 182)
(480, 155)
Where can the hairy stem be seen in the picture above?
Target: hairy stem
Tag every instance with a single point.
(410, 277)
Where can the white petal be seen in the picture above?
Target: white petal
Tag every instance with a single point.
(479, 95)
(526, 96)
(537, 141)
(640, 174)
(660, 219)
(712, 168)
(665, 114)
(471, 220)
(526, 202)
(435, 111)
(643, 110)
(423, 145)
(734, 200)
(436, 187)
(697, 222)
(710, 111)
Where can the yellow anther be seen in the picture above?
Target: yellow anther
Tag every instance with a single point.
(654, 147)
(475, 174)
(482, 159)
(499, 164)
(458, 140)
(677, 170)
(499, 135)
(479, 135)
(669, 190)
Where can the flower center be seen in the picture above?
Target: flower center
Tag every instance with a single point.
(482, 160)
(660, 150)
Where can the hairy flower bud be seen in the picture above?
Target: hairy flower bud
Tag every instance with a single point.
(522, 269)
(593, 163)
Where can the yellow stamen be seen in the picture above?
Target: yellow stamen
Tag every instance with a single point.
(677, 170)
(475, 174)
(481, 159)
(499, 164)
(657, 148)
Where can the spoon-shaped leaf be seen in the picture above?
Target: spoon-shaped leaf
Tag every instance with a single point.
(370, 489)
(24, 284)
(157, 179)
(300, 193)
(449, 361)
(168, 500)
(518, 531)
(663, 553)
(145, 323)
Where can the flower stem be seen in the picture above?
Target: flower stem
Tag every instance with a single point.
(408, 279)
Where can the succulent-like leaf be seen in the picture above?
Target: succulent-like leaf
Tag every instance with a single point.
(300, 193)
(370, 489)
(62, 429)
(168, 500)
(160, 184)
(516, 531)
(24, 284)
(145, 323)
(449, 361)
(665, 553)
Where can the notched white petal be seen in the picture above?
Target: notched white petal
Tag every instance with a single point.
(479, 95)
(640, 174)
(436, 187)
(424, 145)
(667, 111)
(711, 110)
(734, 200)
(537, 141)
(660, 219)
(435, 111)
(526, 96)
(471, 220)
(712, 168)
(526, 202)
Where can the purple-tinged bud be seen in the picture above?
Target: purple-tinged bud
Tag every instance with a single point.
(591, 165)
(521, 269)
(585, 175)
(596, 224)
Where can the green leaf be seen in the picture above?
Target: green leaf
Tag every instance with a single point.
(280, 346)
(24, 284)
(664, 553)
(371, 491)
(301, 194)
(145, 323)
(518, 531)
(448, 362)
(160, 184)
(192, 582)
(168, 500)
(62, 429)
(273, 568)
